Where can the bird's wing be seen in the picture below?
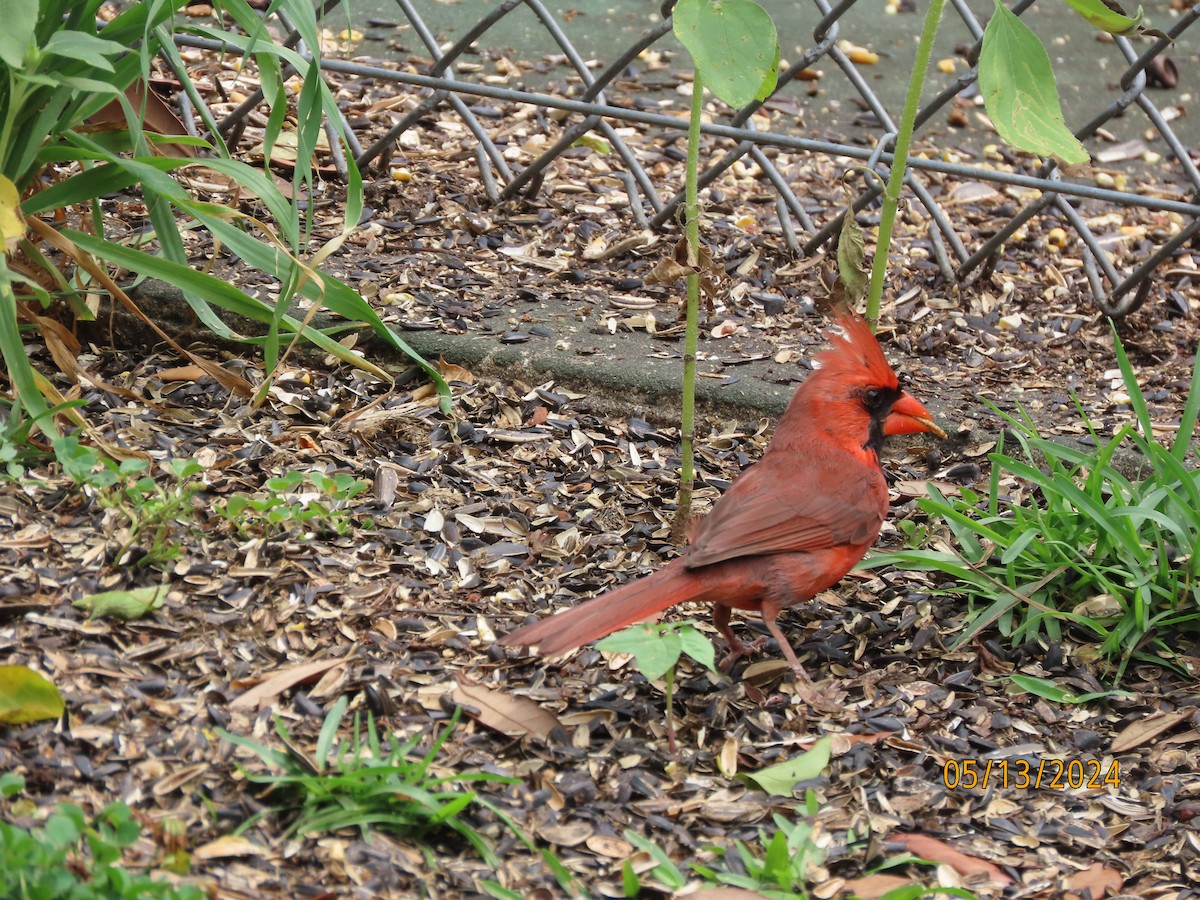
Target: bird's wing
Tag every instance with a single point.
(817, 505)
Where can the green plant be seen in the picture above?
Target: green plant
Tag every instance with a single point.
(71, 858)
(779, 866)
(367, 783)
(656, 648)
(735, 54)
(311, 499)
(146, 509)
(1078, 542)
(58, 69)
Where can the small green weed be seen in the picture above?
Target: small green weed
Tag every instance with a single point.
(366, 784)
(69, 857)
(779, 866)
(657, 647)
(1078, 542)
(311, 499)
(146, 510)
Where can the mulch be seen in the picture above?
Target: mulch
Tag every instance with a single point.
(534, 496)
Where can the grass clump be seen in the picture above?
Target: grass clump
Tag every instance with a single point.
(1063, 538)
(367, 783)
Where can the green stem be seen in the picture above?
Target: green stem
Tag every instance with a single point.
(891, 194)
(687, 473)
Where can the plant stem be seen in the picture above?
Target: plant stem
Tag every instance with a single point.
(895, 183)
(687, 428)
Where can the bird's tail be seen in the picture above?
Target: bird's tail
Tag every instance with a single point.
(601, 616)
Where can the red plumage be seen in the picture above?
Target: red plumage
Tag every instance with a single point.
(790, 526)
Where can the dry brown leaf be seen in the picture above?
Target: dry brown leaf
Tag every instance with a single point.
(229, 846)
(511, 715)
(1145, 730)
(931, 848)
(452, 372)
(1098, 879)
(726, 893)
(274, 685)
(871, 886)
(182, 373)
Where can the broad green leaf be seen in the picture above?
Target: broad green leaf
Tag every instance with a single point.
(697, 646)
(781, 779)
(17, 35)
(655, 649)
(1107, 15)
(733, 45)
(25, 696)
(1019, 90)
(127, 605)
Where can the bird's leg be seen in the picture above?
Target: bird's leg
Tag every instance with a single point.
(737, 647)
(804, 686)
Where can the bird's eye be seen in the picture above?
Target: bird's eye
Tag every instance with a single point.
(872, 397)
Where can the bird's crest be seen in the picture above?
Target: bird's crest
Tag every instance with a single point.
(856, 354)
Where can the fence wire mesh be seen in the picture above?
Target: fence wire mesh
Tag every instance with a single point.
(601, 103)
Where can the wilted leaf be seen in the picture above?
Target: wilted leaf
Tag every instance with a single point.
(126, 605)
(780, 779)
(26, 696)
(507, 713)
(851, 259)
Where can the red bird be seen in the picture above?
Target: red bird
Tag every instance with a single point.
(790, 526)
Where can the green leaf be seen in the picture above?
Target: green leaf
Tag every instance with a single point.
(17, 35)
(25, 696)
(780, 779)
(656, 650)
(1049, 690)
(87, 47)
(697, 646)
(733, 45)
(1019, 91)
(127, 605)
(1107, 15)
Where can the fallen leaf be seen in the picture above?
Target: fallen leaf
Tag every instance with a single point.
(274, 685)
(26, 696)
(1097, 879)
(511, 715)
(871, 886)
(12, 225)
(727, 893)
(931, 848)
(125, 605)
(1145, 730)
(229, 846)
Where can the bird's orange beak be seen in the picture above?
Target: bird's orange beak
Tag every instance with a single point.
(910, 417)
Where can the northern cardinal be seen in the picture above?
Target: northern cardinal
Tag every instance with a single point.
(790, 526)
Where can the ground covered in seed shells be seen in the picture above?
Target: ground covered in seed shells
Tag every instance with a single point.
(541, 491)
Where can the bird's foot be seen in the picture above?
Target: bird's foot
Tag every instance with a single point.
(820, 700)
(739, 649)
